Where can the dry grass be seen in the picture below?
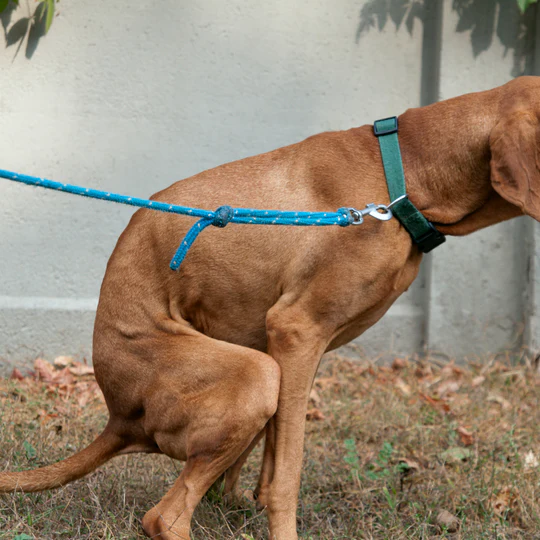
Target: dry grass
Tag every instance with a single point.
(397, 445)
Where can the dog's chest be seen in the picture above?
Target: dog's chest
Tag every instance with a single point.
(385, 293)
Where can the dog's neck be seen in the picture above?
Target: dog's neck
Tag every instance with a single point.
(446, 159)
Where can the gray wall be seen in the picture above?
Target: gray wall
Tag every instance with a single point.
(130, 97)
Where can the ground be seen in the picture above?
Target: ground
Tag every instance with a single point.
(418, 449)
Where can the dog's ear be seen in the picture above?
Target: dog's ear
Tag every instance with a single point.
(515, 161)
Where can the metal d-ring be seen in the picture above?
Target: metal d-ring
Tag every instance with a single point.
(397, 200)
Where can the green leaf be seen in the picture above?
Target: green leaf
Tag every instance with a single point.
(3, 5)
(23, 536)
(524, 4)
(50, 15)
(31, 452)
(350, 444)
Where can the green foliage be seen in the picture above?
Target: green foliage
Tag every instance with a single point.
(381, 467)
(351, 457)
(30, 451)
(30, 26)
(524, 4)
(43, 14)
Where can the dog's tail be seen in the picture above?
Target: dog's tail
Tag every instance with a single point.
(106, 446)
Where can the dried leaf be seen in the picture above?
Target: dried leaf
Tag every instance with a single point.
(436, 403)
(46, 417)
(314, 414)
(477, 381)
(504, 403)
(450, 370)
(408, 466)
(447, 521)
(17, 375)
(423, 370)
(448, 387)
(44, 370)
(530, 461)
(315, 398)
(80, 369)
(63, 361)
(63, 377)
(401, 385)
(505, 501)
(399, 364)
(465, 436)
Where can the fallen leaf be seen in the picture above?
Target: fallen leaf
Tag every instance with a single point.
(451, 370)
(401, 385)
(88, 391)
(477, 381)
(447, 521)
(63, 377)
(16, 374)
(423, 370)
(465, 436)
(315, 398)
(80, 369)
(408, 466)
(44, 370)
(504, 403)
(505, 501)
(455, 455)
(436, 403)
(314, 414)
(530, 461)
(399, 364)
(448, 387)
(63, 361)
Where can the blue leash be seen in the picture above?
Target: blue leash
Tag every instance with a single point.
(219, 218)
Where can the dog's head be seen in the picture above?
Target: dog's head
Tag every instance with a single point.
(515, 147)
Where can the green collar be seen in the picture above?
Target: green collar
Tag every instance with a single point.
(422, 232)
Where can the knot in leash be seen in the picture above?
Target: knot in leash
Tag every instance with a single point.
(219, 218)
(347, 214)
(222, 216)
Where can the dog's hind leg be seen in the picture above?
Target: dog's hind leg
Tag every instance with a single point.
(232, 474)
(205, 408)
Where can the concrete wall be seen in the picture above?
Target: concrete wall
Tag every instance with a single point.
(131, 96)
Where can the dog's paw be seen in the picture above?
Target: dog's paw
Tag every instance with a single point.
(155, 526)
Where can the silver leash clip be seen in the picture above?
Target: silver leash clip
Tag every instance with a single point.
(381, 212)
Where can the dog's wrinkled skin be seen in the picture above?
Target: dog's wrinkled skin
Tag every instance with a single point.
(200, 364)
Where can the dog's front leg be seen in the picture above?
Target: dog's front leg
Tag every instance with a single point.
(297, 345)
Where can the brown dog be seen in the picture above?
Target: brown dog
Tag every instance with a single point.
(199, 364)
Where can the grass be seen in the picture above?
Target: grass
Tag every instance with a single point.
(388, 449)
